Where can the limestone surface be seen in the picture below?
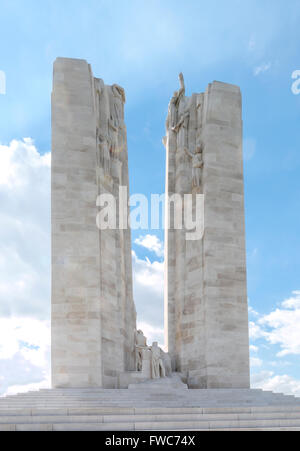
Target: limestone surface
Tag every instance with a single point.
(206, 311)
(93, 313)
(166, 407)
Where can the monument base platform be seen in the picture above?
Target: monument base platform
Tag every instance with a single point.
(160, 408)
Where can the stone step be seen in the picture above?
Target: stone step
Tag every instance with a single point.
(63, 409)
(157, 388)
(134, 402)
(285, 429)
(46, 407)
(145, 403)
(49, 428)
(119, 392)
(84, 392)
(109, 410)
(215, 425)
(155, 426)
(150, 396)
(147, 398)
(187, 418)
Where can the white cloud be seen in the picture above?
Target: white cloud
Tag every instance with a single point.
(152, 243)
(24, 267)
(255, 331)
(264, 67)
(281, 327)
(24, 230)
(279, 363)
(293, 302)
(24, 354)
(252, 312)
(267, 380)
(148, 286)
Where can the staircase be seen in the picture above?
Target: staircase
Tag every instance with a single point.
(153, 409)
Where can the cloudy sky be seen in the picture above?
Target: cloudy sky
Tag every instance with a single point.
(143, 46)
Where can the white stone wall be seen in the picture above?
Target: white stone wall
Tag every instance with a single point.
(93, 313)
(206, 312)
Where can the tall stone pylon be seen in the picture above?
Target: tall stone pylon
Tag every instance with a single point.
(206, 309)
(93, 313)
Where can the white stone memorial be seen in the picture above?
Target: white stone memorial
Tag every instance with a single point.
(105, 377)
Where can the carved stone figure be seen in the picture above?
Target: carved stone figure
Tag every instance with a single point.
(197, 163)
(173, 112)
(157, 364)
(184, 121)
(167, 363)
(141, 345)
(119, 100)
(113, 135)
(182, 129)
(105, 159)
(115, 122)
(181, 92)
(174, 104)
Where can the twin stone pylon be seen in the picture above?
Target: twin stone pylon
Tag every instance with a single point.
(206, 309)
(93, 312)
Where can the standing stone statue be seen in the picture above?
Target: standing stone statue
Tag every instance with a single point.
(105, 159)
(173, 112)
(141, 345)
(178, 108)
(113, 135)
(157, 364)
(181, 92)
(115, 122)
(119, 100)
(174, 105)
(197, 162)
(167, 363)
(182, 129)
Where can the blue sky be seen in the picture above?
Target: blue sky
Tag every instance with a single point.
(143, 46)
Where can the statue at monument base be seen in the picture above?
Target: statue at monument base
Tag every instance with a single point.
(157, 364)
(141, 345)
(152, 363)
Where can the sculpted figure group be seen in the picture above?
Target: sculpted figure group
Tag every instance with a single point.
(110, 139)
(197, 164)
(160, 361)
(178, 122)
